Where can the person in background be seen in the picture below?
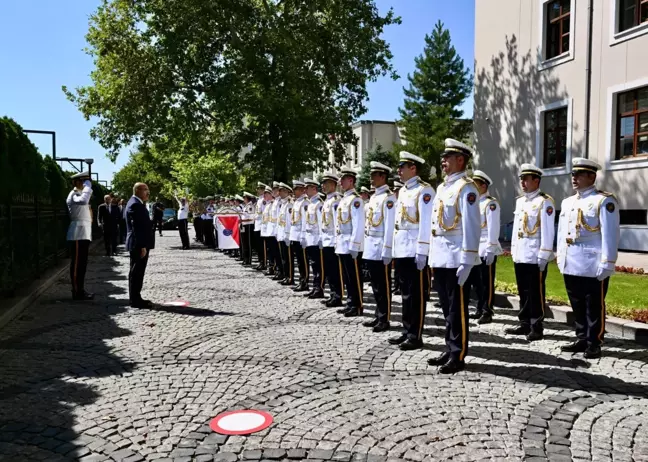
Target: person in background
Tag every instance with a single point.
(183, 221)
(139, 242)
(79, 233)
(158, 214)
(122, 221)
(108, 220)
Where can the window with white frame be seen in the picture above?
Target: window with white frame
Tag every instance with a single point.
(632, 124)
(554, 137)
(556, 40)
(631, 14)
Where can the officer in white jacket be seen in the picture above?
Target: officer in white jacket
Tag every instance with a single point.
(311, 237)
(349, 230)
(588, 241)
(300, 205)
(283, 234)
(378, 243)
(532, 250)
(259, 243)
(332, 264)
(482, 276)
(411, 248)
(267, 235)
(79, 233)
(454, 252)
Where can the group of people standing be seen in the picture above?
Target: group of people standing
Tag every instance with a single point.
(451, 233)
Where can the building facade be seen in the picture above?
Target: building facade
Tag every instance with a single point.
(558, 79)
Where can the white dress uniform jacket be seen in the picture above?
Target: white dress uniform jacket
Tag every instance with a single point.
(349, 225)
(588, 233)
(313, 222)
(266, 219)
(300, 206)
(284, 222)
(274, 216)
(413, 219)
(78, 203)
(379, 225)
(183, 211)
(258, 217)
(248, 214)
(533, 228)
(490, 212)
(329, 218)
(456, 223)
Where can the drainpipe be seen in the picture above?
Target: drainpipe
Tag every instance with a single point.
(588, 77)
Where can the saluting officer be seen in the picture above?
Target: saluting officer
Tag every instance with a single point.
(300, 206)
(259, 242)
(411, 247)
(482, 276)
(456, 227)
(532, 250)
(283, 234)
(332, 263)
(267, 230)
(349, 228)
(79, 233)
(379, 238)
(311, 238)
(588, 241)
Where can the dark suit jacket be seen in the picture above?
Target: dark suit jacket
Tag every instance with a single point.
(110, 219)
(138, 226)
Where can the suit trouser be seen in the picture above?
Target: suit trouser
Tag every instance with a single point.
(302, 261)
(333, 272)
(110, 238)
(183, 227)
(396, 276)
(454, 303)
(412, 286)
(257, 244)
(352, 280)
(157, 224)
(268, 256)
(287, 260)
(136, 275)
(380, 276)
(316, 258)
(531, 288)
(427, 282)
(198, 228)
(246, 244)
(122, 231)
(78, 265)
(482, 278)
(587, 298)
(208, 230)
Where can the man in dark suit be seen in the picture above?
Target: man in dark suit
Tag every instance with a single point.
(122, 222)
(108, 219)
(139, 241)
(158, 214)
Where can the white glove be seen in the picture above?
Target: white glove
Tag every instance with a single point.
(462, 274)
(321, 246)
(542, 264)
(602, 273)
(421, 261)
(386, 261)
(287, 241)
(354, 254)
(87, 184)
(303, 243)
(490, 258)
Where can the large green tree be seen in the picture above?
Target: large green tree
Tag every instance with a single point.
(432, 108)
(286, 77)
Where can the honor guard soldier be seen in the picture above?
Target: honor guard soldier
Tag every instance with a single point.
(378, 241)
(483, 276)
(248, 218)
(196, 210)
(267, 232)
(311, 237)
(365, 194)
(332, 263)
(297, 219)
(283, 234)
(349, 230)
(532, 250)
(397, 186)
(210, 212)
(259, 243)
(274, 243)
(411, 248)
(588, 241)
(456, 227)
(79, 233)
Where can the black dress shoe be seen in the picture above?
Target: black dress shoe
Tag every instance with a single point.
(381, 327)
(286, 282)
(269, 272)
(534, 336)
(352, 313)
(579, 346)
(316, 294)
(520, 330)
(592, 352)
(439, 360)
(342, 310)
(485, 319)
(437, 305)
(411, 344)
(372, 323)
(475, 315)
(325, 301)
(334, 303)
(83, 296)
(398, 340)
(278, 277)
(452, 366)
(301, 288)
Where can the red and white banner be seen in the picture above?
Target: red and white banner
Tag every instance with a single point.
(227, 227)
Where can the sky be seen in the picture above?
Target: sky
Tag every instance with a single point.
(42, 50)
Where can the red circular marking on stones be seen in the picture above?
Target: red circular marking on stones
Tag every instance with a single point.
(180, 303)
(215, 422)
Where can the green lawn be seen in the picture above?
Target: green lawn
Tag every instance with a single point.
(626, 294)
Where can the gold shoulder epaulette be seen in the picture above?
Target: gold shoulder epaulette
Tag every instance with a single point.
(468, 180)
(547, 196)
(491, 198)
(607, 194)
(426, 185)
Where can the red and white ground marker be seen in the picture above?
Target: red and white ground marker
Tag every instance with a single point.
(241, 422)
(181, 303)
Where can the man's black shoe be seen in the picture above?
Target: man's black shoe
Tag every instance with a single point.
(592, 352)
(317, 294)
(520, 330)
(452, 366)
(301, 288)
(579, 346)
(439, 360)
(534, 336)
(334, 303)
(411, 344)
(372, 323)
(353, 312)
(286, 282)
(381, 327)
(398, 340)
(475, 315)
(485, 319)
(85, 296)
(326, 300)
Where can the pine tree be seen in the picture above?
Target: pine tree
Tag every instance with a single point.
(440, 85)
(377, 154)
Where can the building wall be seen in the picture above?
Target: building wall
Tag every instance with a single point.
(513, 83)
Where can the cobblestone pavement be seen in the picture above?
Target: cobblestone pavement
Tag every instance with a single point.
(102, 381)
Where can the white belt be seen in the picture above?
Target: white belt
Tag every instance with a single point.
(345, 233)
(582, 239)
(439, 233)
(372, 233)
(402, 227)
(522, 236)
